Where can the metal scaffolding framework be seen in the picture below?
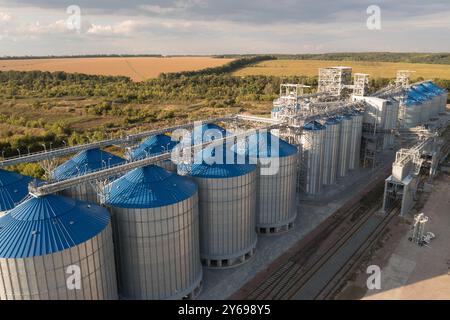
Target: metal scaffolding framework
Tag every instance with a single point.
(403, 78)
(334, 79)
(360, 84)
(406, 171)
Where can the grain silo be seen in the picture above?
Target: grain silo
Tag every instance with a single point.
(312, 142)
(276, 182)
(13, 189)
(156, 233)
(47, 242)
(443, 94)
(154, 146)
(344, 145)
(432, 97)
(355, 140)
(227, 202)
(425, 105)
(83, 163)
(331, 150)
(409, 114)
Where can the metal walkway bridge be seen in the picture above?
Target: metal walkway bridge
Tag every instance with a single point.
(56, 186)
(60, 152)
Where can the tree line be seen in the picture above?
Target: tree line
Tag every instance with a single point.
(431, 58)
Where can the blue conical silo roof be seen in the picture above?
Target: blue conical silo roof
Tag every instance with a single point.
(85, 162)
(13, 189)
(199, 133)
(432, 86)
(417, 95)
(210, 169)
(314, 125)
(425, 92)
(153, 146)
(260, 146)
(49, 224)
(149, 187)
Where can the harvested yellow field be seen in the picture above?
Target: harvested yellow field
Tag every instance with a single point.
(137, 68)
(375, 69)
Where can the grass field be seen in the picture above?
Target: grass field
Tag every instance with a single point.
(375, 69)
(34, 117)
(138, 69)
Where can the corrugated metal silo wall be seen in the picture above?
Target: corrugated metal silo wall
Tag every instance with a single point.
(276, 194)
(411, 115)
(168, 165)
(227, 217)
(355, 142)
(45, 277)
(84, 192)
(436, 106)
(312, 161)
(331, 153)
(425, 111)
(158, 251)
(344, 147)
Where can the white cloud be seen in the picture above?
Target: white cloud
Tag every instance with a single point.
(178, 6)
(5, 17)
(200, 27)
(40, 29)
(157, 9)
(125, 27)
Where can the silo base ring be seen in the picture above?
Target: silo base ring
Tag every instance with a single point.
(229, 263)
(275, 230)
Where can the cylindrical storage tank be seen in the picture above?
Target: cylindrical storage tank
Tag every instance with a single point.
(13, 189)
(443, 94)
(57, 248)
(431, 97)
(156, 234)
(154, 146)
(412, 109)
(84, 163)
(312, 142)
(276, 181)
(355, 140)
(227, 202)
(331, 150)
(425, 105)
(344, 145)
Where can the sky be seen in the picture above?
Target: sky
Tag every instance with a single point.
(172, 27)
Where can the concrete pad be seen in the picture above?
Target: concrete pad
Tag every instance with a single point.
(414, 272)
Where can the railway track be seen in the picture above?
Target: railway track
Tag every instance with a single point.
(305, 276)
(333, 286)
